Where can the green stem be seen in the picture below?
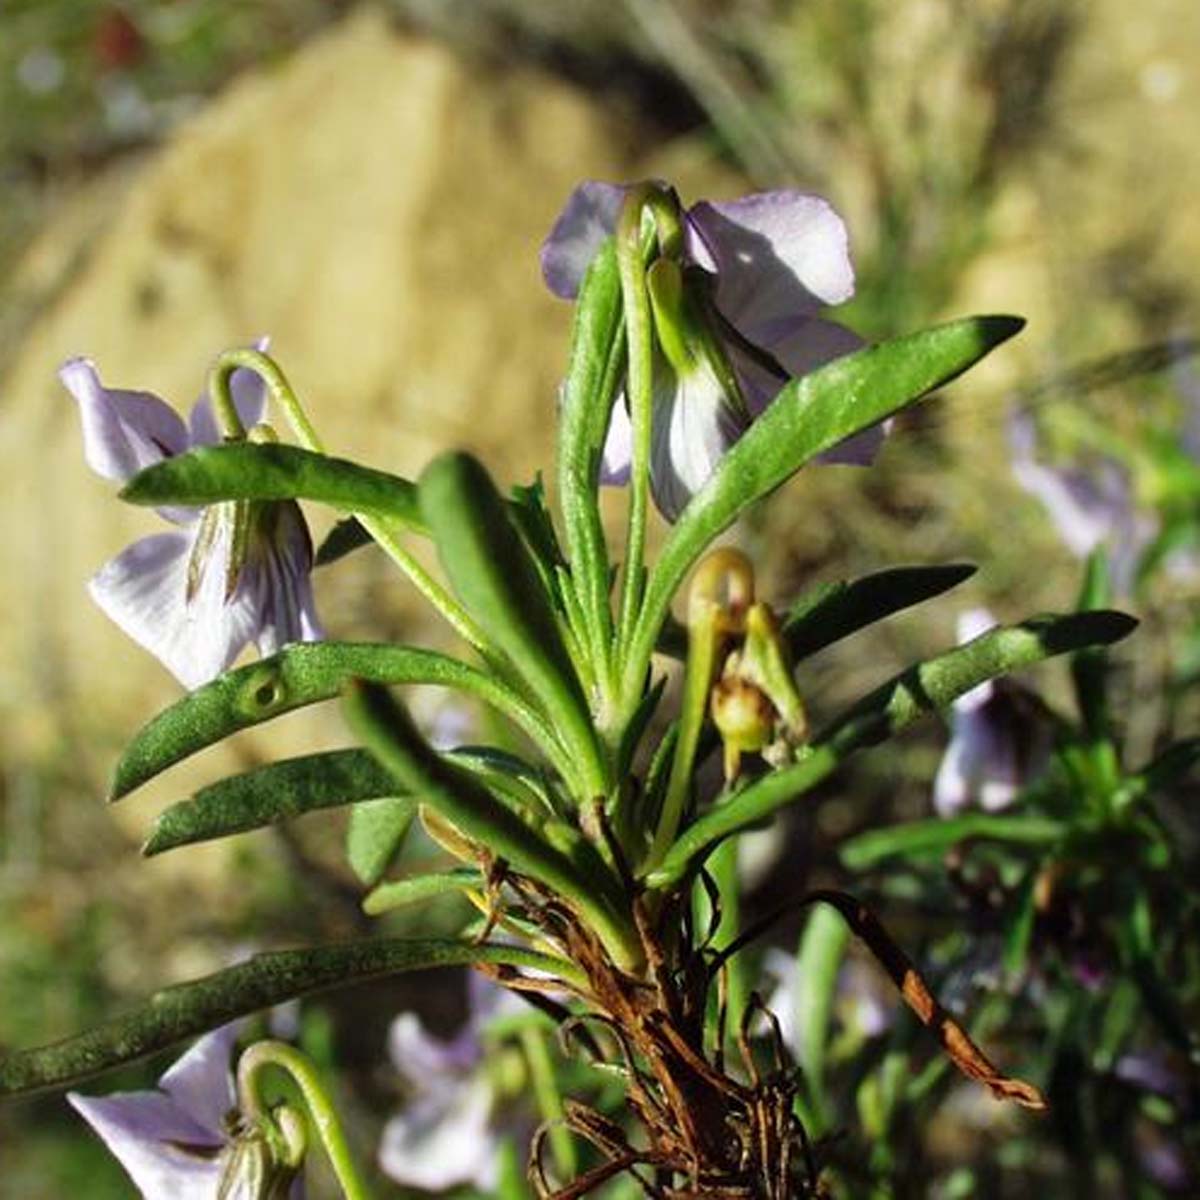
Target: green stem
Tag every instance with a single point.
(384, 532)
(320, 1108)
(549, 1100)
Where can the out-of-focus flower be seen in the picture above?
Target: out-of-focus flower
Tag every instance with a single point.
(771, 262)
(231, 574)
(1089, 508)
(447, 1135)
(185, 1140)
(864, 1002)
(994, 750)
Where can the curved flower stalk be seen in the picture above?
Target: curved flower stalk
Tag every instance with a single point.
(449, 1132)
(229, 575)
(188, 1139)
(993, 751)
(757, 272)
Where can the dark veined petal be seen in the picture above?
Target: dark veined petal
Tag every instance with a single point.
(277, 579)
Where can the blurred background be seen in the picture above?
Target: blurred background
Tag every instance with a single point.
(369, 185)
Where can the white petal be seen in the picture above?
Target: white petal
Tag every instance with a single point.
(165, 1152)
(201, 1082)
(123, 432)
(144, 590)
(249, 398)
(443, 1140)
(694, 426)
(618, 446)
(588, 217)
(777, 255)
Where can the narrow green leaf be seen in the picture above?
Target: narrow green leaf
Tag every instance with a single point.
(936, 836)
(189, 1009)
(923, 688)
(298, 675)
(839, 609)
(344, 538)
(398, 893)
(554, 853)
(269, 794)
(375, 834)
(252, 471)
(593, 377)
(822, 948)
(810, 415)
(492, 572)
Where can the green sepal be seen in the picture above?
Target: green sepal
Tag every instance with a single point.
(835, 610)
(399, 893)
(926, 687)
(809, 415)
(253, 471)
(494, 575)
(266, 795)
(298, 675)
(189, 1009)
(375, 834)
(936, 835)
(593, 377)
(344, 538)
(552, 852)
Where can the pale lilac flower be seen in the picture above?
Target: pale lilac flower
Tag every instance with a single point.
(993, 752)
(1089, 508)
(447, 1135)
(230, 574)
(180, 1140)
(776, 258)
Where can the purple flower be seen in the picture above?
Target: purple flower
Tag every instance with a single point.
(185, 1139)
(230, 574)
(1089, 508)
(446, 1136)
(994, 750)
(775, 260)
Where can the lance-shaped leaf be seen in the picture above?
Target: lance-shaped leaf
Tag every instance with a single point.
(810, 415)
(398, 893)
(553, 852)
(492, 572)
(375, 835)
(269, 794)
(923, 688)
(299, 675)
(593, 377)
(284, 790)
(344, 538)
(819, 960)
(254, 471)
(837, 610)
(936, 835)
(189, 1009)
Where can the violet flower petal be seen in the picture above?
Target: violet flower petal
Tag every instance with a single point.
(443, 1140)
(123, 431)
(428, 1061)
(162, 1149)
(617, 456)
(201, 1082)
(588, 217)
(777, 255)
